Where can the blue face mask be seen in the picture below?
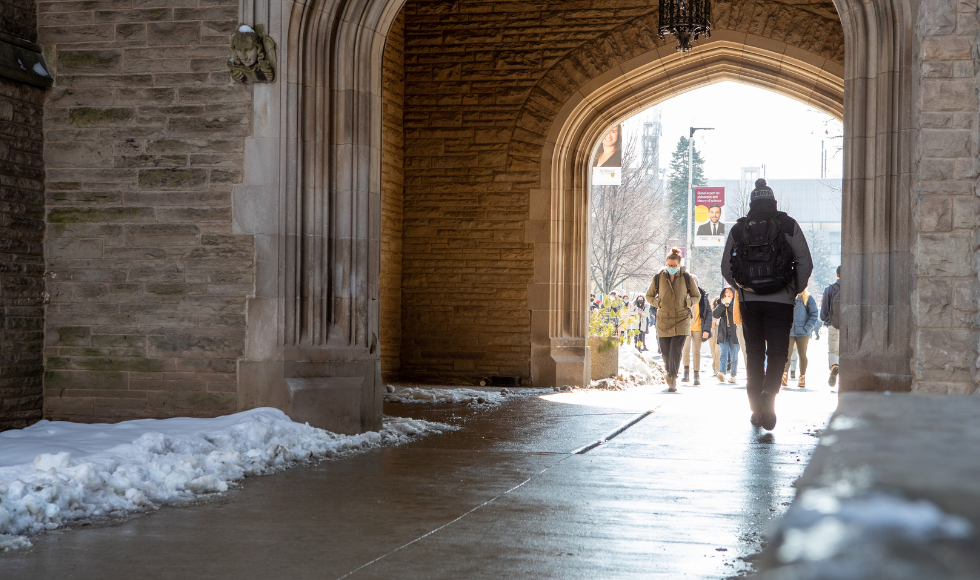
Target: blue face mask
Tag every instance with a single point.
(672, 270)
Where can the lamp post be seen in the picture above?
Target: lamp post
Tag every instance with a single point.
(690, 193)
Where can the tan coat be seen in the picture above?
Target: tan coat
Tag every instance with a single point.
(673, 303)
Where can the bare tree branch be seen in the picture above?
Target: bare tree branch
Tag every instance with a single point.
(630, 224)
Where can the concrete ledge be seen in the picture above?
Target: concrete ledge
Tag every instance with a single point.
(893, 491)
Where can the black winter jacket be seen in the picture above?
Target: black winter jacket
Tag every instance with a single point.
(726, 322)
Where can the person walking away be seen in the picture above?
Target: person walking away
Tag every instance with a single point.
(815, 335)
(727, 339)
(768, 260)
(805, 317)
(713, 344)
(673, 293)
(700, 333)
(830, 316)
(639, 324)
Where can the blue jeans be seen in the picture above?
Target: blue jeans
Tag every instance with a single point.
(728, 357)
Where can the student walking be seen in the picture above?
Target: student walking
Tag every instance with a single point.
(768, 260)
(713, 344)
(700, 332)
(727, 337)
(639, 322)
(673, 293)
(830, 316)
(805, 316)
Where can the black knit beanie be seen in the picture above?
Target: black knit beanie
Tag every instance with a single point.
(761, 191)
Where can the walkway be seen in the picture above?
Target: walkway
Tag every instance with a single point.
(686, 491)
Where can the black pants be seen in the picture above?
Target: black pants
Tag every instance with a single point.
(766, 331)
(671, 348)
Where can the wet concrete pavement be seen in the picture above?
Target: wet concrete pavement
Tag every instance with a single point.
(685, 492)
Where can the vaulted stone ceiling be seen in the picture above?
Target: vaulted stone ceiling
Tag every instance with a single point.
(483, 80)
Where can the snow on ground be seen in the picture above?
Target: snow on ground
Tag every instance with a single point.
(635, 369)
(469, 396)
(54, 473)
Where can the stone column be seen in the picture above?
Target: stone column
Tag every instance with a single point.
(878, 192)
(312, 199)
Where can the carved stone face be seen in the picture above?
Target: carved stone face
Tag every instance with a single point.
(248, 56)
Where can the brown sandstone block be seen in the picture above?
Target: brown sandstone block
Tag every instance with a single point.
(135, 33)
(177, 179)
(162, 235)
(138, 16)
(90, 61)
(209, 403)
(227, 12)
(178, 33)
(76, 34)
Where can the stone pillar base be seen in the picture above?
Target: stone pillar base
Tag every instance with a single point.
(341, 396)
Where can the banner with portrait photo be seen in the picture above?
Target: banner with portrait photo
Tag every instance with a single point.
(608, 158)
(710, 228)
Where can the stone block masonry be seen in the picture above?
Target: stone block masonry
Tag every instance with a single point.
(144, 134)
(945, 302)
(21, 232)
(21, 253)
(393, 187)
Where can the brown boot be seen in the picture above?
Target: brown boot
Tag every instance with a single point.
(672, 385)
(802, 384)
(785, 379)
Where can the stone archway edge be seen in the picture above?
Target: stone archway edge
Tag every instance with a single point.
(558, 222)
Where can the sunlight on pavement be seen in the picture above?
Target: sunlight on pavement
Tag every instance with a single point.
(790, 401)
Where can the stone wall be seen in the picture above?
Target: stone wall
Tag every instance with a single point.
(21, 233)
(393, 185)
(18, 18)
(144, 140)
(948, 210)
(483, 84)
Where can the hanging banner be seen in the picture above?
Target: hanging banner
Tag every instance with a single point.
(709, 216)
(607, 176)
(607, 167)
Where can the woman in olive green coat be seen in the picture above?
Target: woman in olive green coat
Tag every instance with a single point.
(673, 293)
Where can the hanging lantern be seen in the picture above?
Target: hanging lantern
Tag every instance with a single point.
(686, 20)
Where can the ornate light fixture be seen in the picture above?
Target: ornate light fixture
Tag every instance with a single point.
(686, 20)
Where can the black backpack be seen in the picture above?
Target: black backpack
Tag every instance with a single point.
(834, 305)
(762, 257)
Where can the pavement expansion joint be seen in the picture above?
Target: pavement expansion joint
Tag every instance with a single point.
(609, 436)
(447, 524)
(613, 434)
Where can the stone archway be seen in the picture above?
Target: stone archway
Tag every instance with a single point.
(560, 207)
(312, 192)
(869, 90)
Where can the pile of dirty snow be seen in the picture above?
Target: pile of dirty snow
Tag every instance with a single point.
(635, 369)
(472, 397)
(823, 525)
(55, 473)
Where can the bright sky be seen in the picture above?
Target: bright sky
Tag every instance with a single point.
(753, 127)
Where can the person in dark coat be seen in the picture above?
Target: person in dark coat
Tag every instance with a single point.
(767, 317)
(727, 336)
